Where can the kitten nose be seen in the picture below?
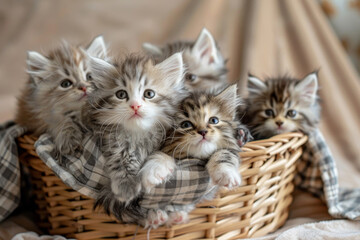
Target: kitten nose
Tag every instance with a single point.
(279, 123)
(82, 88)
(203, 132)
(135, 107)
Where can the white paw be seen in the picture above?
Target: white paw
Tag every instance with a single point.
(156, 218)
(156, 173)
(177, 218)
(225, 176)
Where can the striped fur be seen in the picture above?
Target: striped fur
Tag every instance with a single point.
(46, 106)
(223, 160)
(205, 63)
(198, 108)
(280, 96)
(205, 66)
(196, 135)
(128, 136)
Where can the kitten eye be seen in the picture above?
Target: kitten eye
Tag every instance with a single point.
(66, 83)
(291, 113)
(88, 77)
(149, 94)
(121, 94)
(186, 124)
(213, 120)
(269, 112)
(190, 77)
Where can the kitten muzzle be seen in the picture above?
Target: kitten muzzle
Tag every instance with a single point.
(83, 96)
(279, 123)
(136, 115)
(203, 133)
(83, 88)
(135, 107)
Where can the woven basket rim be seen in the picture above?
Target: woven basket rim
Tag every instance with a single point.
(250, 202)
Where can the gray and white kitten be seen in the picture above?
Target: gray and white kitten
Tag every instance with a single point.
(204, 129)
(205, 68)
(280, 105)
(57, 88)
(205, 65)
(131, 110)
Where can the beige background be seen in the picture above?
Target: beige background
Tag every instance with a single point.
(265, 37)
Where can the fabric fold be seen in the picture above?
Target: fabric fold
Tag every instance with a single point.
(9, 168)
(317, 174)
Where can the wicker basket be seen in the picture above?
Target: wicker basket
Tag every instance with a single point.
(256, 208)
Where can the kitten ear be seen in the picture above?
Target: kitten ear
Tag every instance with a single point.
(308, 87)
(205, 47)
(97, 48)
(101, 70)
(229, 98)
(99, 65)
(152, 49)
(255, 85)
(172, 68)
(37, 65)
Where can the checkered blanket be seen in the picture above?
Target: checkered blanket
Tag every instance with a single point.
(9, 168)
(86, 175)
(317, 174)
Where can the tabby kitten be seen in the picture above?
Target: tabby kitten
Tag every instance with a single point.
(57, 89)
(204, 129)
(131, 109)
(205, 68)
(281, 105)
(205, 65)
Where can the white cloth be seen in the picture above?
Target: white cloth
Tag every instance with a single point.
(329, 230)
(35, 236)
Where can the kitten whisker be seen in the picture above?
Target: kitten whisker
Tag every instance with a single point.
(187, 154)
(175, 149)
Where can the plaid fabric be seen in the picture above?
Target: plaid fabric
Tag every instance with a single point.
(317, 173)
(189, 184)
(10, 169)
(86, 175)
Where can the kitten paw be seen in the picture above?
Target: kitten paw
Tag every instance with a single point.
(126, 190)
(243, 136)
(177, 218)
(157, 172)
(156, 218)
(226, 176)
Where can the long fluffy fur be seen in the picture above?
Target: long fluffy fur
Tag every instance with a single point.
(281, 95)
(127, 140)
(45, 106)
(220, 148)
(202, 58)
(194, 109)
(130, 212)
(203, 61)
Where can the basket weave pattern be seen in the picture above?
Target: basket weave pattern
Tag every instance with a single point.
(256, 208)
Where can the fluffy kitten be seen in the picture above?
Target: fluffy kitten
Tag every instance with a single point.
(131, 109)
(56, 91)
(281, 105)
(204, 129)
(206, 68)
